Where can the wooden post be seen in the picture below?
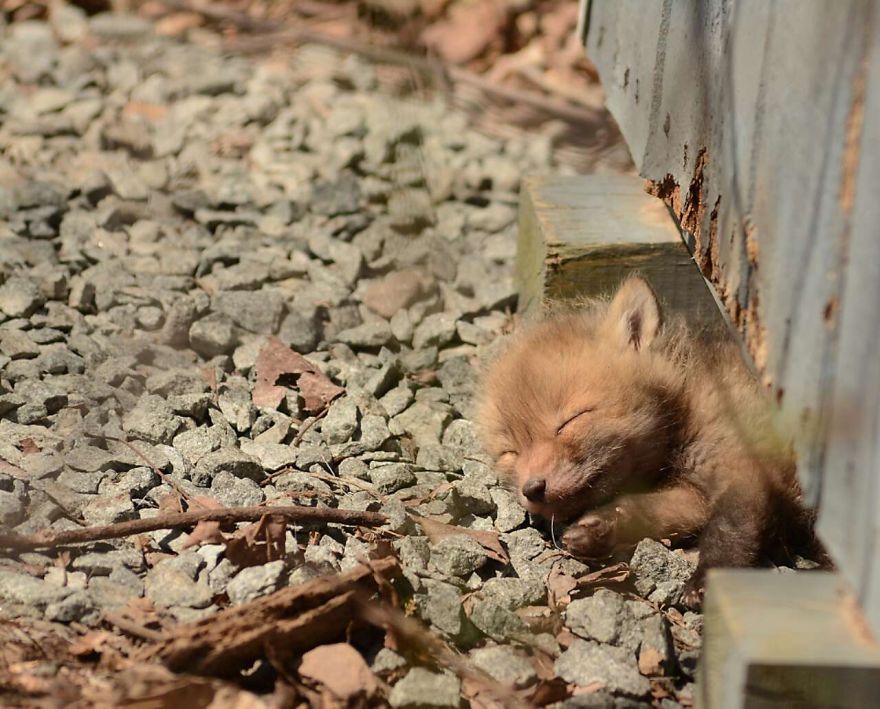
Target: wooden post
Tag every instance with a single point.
(580, 236)
(785, 640)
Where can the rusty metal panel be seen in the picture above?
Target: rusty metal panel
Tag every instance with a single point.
(753, 120)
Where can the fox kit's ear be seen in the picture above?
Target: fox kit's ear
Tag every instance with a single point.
(634, 314)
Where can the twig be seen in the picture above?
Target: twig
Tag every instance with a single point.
(433, 649)
(289, 621)
(307, 425)
(132, 628)
(295, 513)
(152, 466)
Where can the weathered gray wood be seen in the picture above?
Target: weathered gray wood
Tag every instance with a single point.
(581, 236)
(758, 123)
(759, 652)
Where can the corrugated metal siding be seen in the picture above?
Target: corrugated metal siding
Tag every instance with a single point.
(760, 123)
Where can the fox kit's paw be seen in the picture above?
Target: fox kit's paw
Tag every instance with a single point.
(591, 537)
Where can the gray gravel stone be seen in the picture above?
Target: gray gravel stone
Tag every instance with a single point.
(108, 509)
(513, 593)
(255, 581)
(254, 311)
(390, 477)
(152, 420)
(75, 607)
(653, 564)
(587, 662)
(505, 665)
(27, 590)
(167, 585)
(213, 335)
(423, 688)
(226, 460)
(341, 421)
(599, 617)
(458, 555)
(369, 335)
(496, 621)
(437, 330)
(19, 297)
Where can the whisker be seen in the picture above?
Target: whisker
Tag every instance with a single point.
(553, 531)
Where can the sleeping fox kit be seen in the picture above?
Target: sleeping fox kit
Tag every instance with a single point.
(626, 427)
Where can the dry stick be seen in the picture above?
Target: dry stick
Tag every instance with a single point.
(307, 425)
(294, 513)
(160, 473)
(433, 648)
(132, 628)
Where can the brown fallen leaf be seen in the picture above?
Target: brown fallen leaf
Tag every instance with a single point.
(435, 531)
(28, 447)
(650, 661)
(590, 688)
(549, 691)
(259, 542)
(277, 360)
(617, 573)
(467, 31)
(559, 586)
(205, 532)
(341, 669)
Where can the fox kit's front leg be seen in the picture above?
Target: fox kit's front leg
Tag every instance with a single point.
(673, 512)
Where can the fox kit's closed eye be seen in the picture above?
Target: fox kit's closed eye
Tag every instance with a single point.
(607, 417)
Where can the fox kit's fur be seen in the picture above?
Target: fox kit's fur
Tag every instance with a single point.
(625, 425)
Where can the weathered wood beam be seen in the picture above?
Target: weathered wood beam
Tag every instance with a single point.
(793, 640)
(580, 236)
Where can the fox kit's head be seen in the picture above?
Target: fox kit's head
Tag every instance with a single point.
(577, 408)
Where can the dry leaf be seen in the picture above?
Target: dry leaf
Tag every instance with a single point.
(341, 669)
(206, 531)
(259, 542)
(150, 111)
(467, 32)
(590, 688)
(317, 391)
(178, 23)
(650, 661)
(28, 447)
(277, 360)
(559, 586)
(435, 531)
(607, 575)
(549, 692)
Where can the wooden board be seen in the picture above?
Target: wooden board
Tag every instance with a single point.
(758, 651)
(759, 123)
(581, 236)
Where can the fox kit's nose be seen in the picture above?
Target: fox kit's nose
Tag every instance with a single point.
(533, 489)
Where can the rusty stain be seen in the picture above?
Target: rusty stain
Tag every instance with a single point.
(830, 311)
(691, 216)
(852, 142)
(666, 189)
(667, 124)
(751, 233)
(706, 254)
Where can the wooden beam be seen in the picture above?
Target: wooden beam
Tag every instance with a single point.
(580, 236)
(793, 640)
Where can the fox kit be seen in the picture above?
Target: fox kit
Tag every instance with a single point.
(627, 427)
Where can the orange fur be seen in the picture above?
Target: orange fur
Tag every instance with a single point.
(630, 426)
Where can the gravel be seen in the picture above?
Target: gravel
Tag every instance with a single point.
(167, 209)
